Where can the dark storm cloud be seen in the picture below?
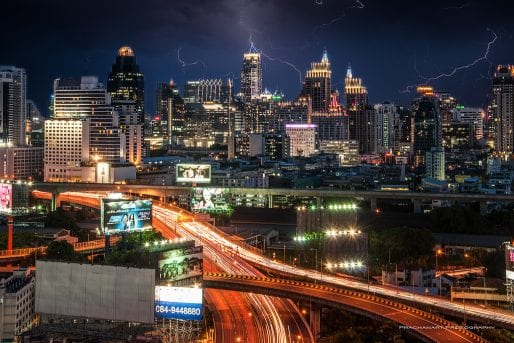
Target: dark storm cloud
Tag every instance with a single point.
(389, 43)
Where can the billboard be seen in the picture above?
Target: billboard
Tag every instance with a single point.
(5, 197)
(95, 291)
(126, 215)
(194, 173)
(509, 261)
(178, 303)
(208, 199)
(183, 264)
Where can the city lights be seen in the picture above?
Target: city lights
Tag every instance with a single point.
(347, 265)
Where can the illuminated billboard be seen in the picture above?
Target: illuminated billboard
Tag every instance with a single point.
(209, 199)
(184, 265)
(5, 197)
(194, 173)
(509, 262)
(126, 215)
(178, 303)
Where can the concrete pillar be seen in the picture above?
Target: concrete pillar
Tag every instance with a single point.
(319, 202)
(315, 321)
(483, 208)
(270, 201)
(373, 204)
(10, 232)
(417, 205)
(53, 203)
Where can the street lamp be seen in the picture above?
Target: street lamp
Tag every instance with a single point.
(437, 253)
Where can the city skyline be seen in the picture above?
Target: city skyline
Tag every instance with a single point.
(207, 40)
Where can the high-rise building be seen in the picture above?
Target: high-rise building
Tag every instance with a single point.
(388, 124)
(301, 139)
(170, 112)
(317, 84)
(125, 84)
(503, 108)
(213, 90)
(332, 124)
(361, 117)
(251, 76)
(291, 112)
(474, 116)
(434, 163)
(13, 105)
(84, 128)
(427, 127)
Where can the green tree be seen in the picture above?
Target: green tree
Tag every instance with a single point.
(62, 251)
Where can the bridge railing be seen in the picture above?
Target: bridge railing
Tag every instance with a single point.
(20, 252)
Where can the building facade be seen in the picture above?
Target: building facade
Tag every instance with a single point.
(212, 90)
(13, 105)
(301, 139)
(251, 76)
(22, 162)
(503, 108)
(317, 84)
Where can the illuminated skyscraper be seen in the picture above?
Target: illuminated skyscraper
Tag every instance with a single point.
(170, 111)
(427, 125)
(13, 107)
(214, 90)
(251, 76)
(362, 118)
(503, 108)
(317, 84)
(125, 84)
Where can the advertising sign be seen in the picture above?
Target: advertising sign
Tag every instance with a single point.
(182, 264)
(178, 303)
(193, 173)
(5, 197)
(126, 215)
(209, 200)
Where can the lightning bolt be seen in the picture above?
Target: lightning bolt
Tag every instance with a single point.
(253, 48)
(357, 4)
(455, 70)
(459, 7)
(185, 64)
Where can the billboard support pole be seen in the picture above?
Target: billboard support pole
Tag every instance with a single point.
(10, 232)
(107, 245)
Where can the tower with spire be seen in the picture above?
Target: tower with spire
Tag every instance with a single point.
(317, 84)
(251, 75)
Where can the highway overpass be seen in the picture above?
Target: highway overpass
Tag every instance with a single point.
(167, 192)
(426, 326)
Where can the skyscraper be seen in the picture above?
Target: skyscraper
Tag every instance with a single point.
(317, 84)
(332, 124)
(503, 108)
(362, 118)
(170, 110)
(84, 127)
(251, 76)
(427, 126)
(125, 83)
(215, 90)
(13, 107)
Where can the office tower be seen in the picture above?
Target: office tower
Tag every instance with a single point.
(317, 84)
(474, 116)
(84, 128)
(213, 90)
(301, 139)
(21, 162)
(205, 124)
(458, 135)
(388, 126)
(258, 115)
(13, 105)
(362, 118)
(285, 112)
(251, 76)
(170, 111)
(125, 84)
(503, 108)
(427, 126)
(434, 163)
(332, 124)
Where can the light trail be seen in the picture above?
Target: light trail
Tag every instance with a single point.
(465, 309)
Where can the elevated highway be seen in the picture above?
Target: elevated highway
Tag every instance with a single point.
(426, 326)
(165, 192)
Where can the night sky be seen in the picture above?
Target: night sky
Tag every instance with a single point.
(390, 44)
